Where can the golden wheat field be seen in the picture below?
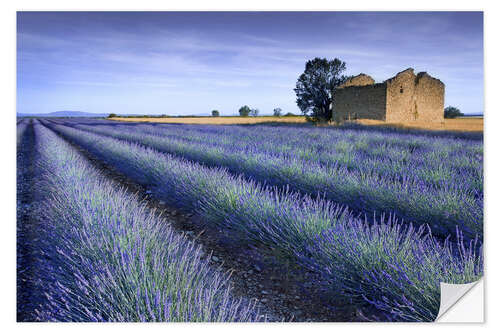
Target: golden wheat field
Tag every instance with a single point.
(216, 120)
(459, 124)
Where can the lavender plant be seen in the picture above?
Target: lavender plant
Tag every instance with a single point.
(20, 129)
(423, 191)
(387, 156)
(27, 291)
(373, 264)
(107, 258)
(354, 258)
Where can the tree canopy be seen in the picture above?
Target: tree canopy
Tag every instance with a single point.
(452, 112)
(215, 113)
(316, 86)
(244, 111)
(277, 112)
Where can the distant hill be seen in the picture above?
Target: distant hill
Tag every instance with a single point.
(64, 114)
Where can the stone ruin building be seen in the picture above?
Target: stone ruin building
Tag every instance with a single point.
(405, 97)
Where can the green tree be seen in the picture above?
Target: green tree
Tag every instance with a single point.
(215, 113)
(254, 112)
(315, 88)
(244, 111)
(112, 115)
(452, 112)
(277, 112)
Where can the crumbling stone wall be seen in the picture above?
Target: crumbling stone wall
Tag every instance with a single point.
(405, 97)
(413, 97)
(401, 97)
(430, 98)
(358, 80)
(360, 102)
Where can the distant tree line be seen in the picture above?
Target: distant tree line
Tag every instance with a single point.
(452, 112)
(246, 111)
(215, 113)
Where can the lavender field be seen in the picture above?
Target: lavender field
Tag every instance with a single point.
(172, 222)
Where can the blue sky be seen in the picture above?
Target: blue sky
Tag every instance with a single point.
(192, 62)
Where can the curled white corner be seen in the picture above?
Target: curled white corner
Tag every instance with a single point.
(468, 309)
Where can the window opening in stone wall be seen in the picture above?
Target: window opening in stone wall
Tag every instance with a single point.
(401, 89)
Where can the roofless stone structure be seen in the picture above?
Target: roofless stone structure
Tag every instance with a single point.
(405, 97)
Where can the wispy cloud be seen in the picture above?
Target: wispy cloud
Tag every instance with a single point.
(230, 58)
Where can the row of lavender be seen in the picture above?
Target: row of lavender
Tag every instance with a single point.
(396, 158)
(358, 150)
(105, 257)
(395, 267)
(432, 181)
(388, 156)
(20, 128)
(24, 291)
(333, 147)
